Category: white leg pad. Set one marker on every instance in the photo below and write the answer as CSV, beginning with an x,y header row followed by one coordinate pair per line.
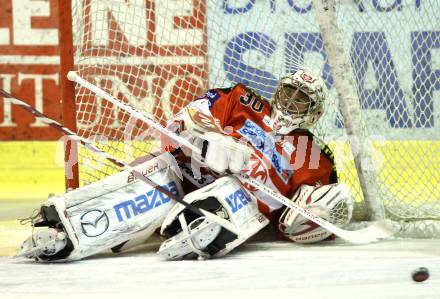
x,y
115,210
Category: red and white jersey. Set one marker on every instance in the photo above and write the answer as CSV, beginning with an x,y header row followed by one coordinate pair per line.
x,y
284,162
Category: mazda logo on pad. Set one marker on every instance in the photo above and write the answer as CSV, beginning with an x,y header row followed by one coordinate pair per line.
x,y
94,223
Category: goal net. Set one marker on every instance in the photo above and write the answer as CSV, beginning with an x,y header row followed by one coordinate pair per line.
x,y
158,55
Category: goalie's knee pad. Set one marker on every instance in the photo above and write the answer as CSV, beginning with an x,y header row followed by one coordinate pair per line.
x,y
192,235
332,202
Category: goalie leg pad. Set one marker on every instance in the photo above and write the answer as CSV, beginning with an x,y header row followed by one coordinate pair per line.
x,y
332,202
195,238
109,213
237,219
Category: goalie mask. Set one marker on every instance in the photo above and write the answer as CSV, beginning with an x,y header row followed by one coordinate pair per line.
x,y
298,102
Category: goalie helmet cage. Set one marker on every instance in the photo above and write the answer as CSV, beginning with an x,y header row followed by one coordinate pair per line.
x,y
378,59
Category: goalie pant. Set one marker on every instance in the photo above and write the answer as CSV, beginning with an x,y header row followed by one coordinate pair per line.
x,y
285,162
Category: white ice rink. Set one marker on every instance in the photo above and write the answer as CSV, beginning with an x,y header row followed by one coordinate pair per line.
x,y
260,270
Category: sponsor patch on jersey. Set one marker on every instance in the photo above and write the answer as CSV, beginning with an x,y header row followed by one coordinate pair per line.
x,y
288,147
268,121
212,95
265,144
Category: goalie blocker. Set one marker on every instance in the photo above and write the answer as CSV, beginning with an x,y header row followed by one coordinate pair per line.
x,y
115,213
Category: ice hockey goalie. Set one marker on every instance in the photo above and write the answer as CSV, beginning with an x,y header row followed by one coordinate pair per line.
x,y
240,131
236,130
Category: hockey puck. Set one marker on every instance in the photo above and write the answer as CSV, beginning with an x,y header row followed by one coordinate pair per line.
x,y
420,274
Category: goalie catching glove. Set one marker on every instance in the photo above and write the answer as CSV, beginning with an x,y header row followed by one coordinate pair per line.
x,y
332,202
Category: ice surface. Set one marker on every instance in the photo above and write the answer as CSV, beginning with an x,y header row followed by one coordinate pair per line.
x,y
259,270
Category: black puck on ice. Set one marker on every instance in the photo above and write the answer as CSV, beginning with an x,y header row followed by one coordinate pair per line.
x,y
420,274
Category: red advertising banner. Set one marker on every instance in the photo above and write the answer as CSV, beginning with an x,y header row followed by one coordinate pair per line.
x,y
163,73
29,67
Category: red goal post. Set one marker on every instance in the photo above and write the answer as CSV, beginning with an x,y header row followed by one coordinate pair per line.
x,y
67,90
159,55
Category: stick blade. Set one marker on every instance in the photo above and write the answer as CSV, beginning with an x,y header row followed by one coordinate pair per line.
x,y
374,232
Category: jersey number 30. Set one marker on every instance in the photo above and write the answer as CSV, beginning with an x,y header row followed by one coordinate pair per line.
x,y
250,100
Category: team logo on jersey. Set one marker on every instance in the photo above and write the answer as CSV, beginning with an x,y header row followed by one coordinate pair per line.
x,y
258,170
94,223
265,144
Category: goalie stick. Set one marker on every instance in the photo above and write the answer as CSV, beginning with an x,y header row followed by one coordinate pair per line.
x,y
116,161
374,232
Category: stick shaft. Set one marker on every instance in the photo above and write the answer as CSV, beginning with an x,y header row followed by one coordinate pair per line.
x,y
130,110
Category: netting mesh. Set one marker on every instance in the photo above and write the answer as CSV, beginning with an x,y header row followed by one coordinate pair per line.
x,y
160,55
